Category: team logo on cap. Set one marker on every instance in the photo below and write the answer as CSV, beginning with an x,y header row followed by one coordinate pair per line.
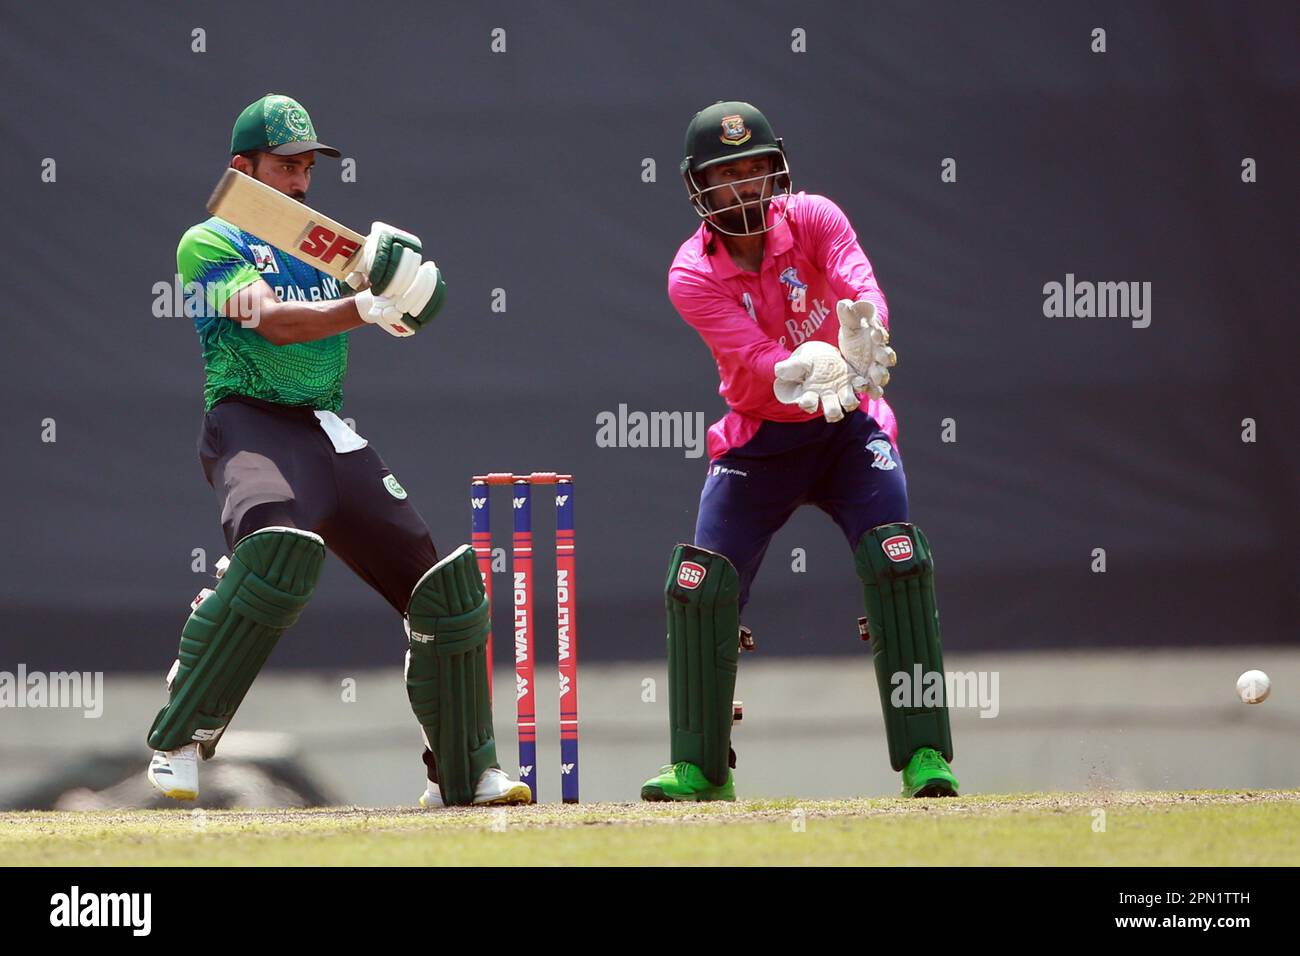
x,y
734,131
297,122
898,548
690,575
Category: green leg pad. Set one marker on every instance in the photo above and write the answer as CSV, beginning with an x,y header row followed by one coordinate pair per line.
x,y
702,597
447,672
897,572
230,635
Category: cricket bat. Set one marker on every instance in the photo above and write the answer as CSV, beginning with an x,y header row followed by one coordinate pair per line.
x,y
285,223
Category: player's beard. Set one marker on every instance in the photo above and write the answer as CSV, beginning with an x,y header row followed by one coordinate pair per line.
x,y
749,219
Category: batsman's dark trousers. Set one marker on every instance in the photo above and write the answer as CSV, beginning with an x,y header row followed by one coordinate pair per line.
x,y
849,469
273,465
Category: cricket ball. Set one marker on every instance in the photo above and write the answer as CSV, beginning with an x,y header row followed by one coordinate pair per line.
x,y
1253,687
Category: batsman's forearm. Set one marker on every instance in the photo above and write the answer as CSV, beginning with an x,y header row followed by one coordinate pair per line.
x,y
287,323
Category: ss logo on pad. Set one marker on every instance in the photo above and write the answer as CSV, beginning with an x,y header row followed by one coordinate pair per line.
x,y
898,548
690,574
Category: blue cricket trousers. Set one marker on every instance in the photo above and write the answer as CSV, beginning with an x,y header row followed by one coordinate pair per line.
x,y
849,469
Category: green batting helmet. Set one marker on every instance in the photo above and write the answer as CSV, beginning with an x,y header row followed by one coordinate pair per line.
x,y
726,131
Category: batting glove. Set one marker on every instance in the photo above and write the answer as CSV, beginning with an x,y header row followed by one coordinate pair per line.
x,y
381,311
406,314
389,260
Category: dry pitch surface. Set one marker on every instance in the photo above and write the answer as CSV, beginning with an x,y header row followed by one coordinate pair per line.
x,y
1204,828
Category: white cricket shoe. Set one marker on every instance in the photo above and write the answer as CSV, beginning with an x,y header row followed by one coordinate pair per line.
x,y
494,787
175,773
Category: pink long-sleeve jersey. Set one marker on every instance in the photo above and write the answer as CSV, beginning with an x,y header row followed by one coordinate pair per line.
x,y
751,321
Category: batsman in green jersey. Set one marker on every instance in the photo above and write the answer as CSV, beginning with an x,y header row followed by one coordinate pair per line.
x,y
292,480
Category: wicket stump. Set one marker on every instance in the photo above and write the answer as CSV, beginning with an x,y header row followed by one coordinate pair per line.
x,y
565,605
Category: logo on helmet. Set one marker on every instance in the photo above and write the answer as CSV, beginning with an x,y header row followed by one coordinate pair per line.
x,y
734,131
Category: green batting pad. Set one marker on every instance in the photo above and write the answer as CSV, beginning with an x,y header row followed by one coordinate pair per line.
x,y
230,635
447,672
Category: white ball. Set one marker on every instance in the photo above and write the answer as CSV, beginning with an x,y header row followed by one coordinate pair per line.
x,y
1253,687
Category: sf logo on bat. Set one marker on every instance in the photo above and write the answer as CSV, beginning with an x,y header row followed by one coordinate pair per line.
x,y
323,244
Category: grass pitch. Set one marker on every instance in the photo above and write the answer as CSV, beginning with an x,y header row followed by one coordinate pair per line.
x,y
1205,828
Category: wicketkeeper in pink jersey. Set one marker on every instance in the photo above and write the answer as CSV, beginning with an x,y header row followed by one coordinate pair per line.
x,y
778,287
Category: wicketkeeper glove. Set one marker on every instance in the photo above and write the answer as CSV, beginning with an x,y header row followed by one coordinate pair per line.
x,y
816,373
864,343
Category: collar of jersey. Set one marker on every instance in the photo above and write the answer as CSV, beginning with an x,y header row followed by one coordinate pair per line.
x,y
779,241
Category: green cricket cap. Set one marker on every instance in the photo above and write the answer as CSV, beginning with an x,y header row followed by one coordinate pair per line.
x,y
278,124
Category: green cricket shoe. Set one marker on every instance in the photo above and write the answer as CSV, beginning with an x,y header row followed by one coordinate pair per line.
x,y
685,781
927,774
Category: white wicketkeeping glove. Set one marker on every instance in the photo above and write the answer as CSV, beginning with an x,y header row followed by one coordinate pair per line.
x,y
864,343
816,373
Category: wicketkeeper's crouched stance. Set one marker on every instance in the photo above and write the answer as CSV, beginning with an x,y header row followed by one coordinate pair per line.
x,y
763,281
292,479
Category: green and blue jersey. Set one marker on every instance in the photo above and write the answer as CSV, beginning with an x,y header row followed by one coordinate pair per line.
x,y
237,360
